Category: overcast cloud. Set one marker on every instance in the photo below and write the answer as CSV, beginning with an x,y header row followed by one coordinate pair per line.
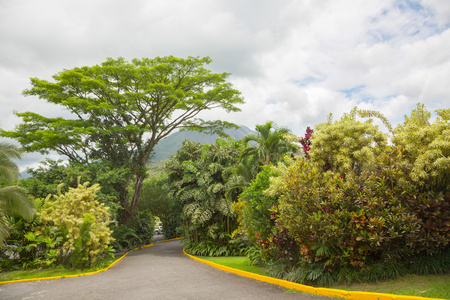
x,y
293,61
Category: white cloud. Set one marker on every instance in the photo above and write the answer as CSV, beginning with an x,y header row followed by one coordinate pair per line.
x,y
294,61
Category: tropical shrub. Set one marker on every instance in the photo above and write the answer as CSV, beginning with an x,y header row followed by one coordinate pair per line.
x,y
427,146
46,178
347,144
81,221
197,178
352,219
23,249
358,209
135,233
254,206
13,199
278,246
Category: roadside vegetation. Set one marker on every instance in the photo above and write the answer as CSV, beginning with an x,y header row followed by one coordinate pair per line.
x,y
57,271
345,203
429,286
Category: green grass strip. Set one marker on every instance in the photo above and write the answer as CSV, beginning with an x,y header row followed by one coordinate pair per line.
x,y
59,272
236,262
429,286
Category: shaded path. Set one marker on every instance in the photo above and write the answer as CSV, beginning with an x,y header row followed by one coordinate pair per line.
x,y
158,272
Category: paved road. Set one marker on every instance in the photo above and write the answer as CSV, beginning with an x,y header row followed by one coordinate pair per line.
x,y
158,272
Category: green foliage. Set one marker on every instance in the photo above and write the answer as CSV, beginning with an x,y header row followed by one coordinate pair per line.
x,y
348,220
430,264
135,233
197,177
359,210
82,222
122,110
271,143
235,247
154,196
315,274
427,146
13,201
26,247
347,144
254,207
50,174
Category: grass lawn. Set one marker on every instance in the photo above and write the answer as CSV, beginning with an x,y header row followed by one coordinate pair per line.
x,y
54,272
236,262
431,286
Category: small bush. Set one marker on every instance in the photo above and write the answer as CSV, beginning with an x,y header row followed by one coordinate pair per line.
x,y
254,207
135,233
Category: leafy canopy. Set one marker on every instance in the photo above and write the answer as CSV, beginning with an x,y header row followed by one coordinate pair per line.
x,y
122,109
118,102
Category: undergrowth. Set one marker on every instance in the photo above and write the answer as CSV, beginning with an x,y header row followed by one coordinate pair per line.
x,y
316,274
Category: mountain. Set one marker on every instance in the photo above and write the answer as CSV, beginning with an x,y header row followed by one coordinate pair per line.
x,y
25,175
170,145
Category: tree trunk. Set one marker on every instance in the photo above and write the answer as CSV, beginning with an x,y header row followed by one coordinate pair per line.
x,y
124,215
129,210
137,194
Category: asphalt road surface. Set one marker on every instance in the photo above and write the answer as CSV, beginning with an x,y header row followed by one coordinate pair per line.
x,y
158,272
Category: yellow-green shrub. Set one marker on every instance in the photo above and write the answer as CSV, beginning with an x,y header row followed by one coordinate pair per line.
x,y
82,220
427,146
348,143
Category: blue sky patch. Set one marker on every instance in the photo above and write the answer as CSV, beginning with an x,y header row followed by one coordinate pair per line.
x,y
306,81
352,92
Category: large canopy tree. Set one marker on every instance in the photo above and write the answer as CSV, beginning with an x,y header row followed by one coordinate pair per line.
x,y
122,109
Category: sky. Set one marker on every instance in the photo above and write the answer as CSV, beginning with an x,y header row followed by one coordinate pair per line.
x,y
294,61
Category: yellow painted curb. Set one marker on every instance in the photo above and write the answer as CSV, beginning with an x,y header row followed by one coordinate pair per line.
x,y
355,295
76,275
179,238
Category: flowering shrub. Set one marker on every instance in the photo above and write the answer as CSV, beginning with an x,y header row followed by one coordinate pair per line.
x,y
306,142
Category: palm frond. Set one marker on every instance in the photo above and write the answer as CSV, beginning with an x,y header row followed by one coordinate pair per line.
x,y
13,201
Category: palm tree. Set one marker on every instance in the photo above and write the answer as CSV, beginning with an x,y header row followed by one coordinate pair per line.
x,y
13,201
270,143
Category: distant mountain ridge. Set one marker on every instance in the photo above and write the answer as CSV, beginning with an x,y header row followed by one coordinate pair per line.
x,y
170,145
